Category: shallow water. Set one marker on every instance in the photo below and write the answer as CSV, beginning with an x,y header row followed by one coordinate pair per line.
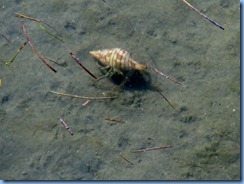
x,y
204,127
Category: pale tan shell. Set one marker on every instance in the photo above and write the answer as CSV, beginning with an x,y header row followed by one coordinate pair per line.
x,y
117,58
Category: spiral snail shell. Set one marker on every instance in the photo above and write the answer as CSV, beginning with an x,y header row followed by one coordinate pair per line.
x,y
117,58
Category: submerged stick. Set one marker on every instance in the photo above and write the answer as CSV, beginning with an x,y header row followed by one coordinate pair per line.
x,y
150,149
49,59
5,37
15,56
35,20
82,97
43,28
34,48
66,126
115,120
86,102
164,97
78,61
205,16
125,159
59,37
164,75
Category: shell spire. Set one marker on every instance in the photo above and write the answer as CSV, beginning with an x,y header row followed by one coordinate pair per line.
x,y
117,58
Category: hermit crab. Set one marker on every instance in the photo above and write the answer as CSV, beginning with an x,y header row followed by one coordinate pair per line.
x,y
118,60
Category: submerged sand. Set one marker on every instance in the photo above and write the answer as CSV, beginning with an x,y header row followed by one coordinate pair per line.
x,y
204,127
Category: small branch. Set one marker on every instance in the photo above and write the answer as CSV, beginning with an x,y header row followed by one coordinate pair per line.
x,y
164,75
77,61
58,37
205,16
35,20
5,38
66,126
86,102
164,97
125,159
82,97
34,48
150,149
15,56
115,120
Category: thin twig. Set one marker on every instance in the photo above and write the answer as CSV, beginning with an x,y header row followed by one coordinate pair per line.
x,y
57,37
164,75
35,20
49,59
34,48
150,149
115,120
78,61
164,97
5,38
125,159
18,51
66,126
83,97
205,16
86,102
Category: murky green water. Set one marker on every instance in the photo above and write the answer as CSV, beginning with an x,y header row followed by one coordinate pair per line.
x,y
204,127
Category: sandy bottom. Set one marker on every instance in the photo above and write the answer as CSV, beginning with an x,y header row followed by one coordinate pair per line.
x,y
204,127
